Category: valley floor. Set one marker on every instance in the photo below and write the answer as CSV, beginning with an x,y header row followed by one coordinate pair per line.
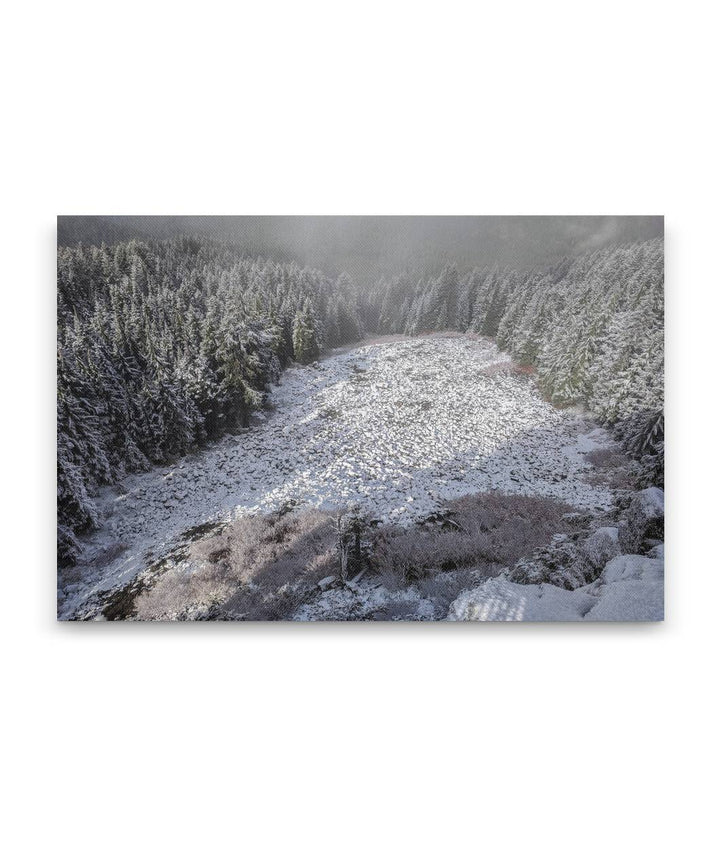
x,y
399,428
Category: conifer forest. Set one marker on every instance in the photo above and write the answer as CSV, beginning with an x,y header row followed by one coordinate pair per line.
x,y
360,418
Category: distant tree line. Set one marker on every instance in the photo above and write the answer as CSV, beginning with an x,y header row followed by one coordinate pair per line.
x,y
162,346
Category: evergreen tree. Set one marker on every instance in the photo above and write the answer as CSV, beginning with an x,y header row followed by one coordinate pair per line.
x,y
306,343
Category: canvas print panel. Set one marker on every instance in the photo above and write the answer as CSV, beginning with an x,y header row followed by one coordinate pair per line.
x,y
360,418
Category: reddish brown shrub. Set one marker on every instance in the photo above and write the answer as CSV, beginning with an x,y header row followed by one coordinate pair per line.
x,y
507,368
487,531
258,567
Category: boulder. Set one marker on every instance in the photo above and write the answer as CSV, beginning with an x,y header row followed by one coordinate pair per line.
x,y
630,588
559,563
499,599
657,552
623,568
630,600
644,519
601,546
577,519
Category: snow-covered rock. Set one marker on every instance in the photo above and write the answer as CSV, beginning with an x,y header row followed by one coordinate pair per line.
x,y
644,519
560,563
630,588
630,600
501,600
631,567
601,546
577,519
657,552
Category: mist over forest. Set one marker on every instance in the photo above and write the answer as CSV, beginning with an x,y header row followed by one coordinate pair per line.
x,y
369,247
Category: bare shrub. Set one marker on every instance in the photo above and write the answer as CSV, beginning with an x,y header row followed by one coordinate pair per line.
x,y
605,458
181,594
257,568
506,368
484,531
612,468
442,589
264,567
397,610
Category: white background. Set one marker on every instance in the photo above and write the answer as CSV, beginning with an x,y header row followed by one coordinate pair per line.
x,y
374,738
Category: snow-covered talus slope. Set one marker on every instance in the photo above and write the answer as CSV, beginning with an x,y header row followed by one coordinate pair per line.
x,y
398,427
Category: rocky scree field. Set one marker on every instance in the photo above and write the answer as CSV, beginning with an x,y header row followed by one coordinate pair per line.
x,y
400,435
